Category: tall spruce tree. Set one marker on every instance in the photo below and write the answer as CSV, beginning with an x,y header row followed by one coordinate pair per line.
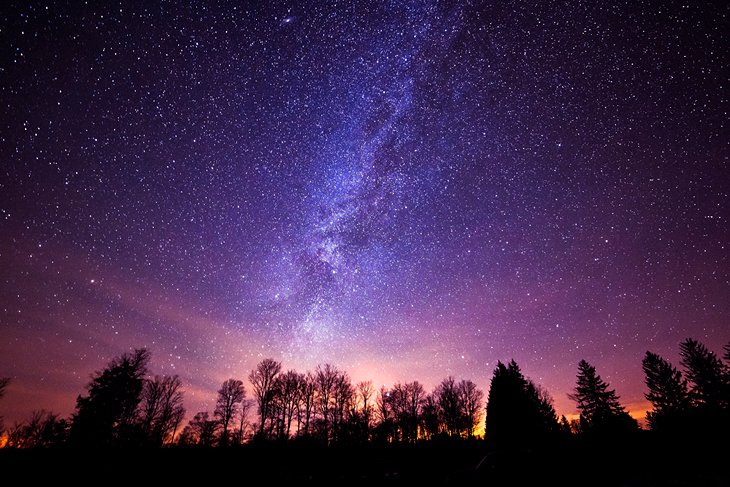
x,y
710,378
600,409
668,393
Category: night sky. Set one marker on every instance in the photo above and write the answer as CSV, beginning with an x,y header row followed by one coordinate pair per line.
x,y
407,190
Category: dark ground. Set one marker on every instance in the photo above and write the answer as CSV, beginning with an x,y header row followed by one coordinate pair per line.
x,y
582,464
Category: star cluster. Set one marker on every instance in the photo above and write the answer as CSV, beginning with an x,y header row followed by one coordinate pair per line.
x,y
409,190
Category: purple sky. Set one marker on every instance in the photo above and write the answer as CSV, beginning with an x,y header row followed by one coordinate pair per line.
x,y
405,190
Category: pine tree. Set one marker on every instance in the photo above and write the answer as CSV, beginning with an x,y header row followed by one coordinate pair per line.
x,y
667,392
601,411
709,376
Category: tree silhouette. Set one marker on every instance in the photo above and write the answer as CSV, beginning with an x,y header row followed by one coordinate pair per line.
x,y
396,400
42,430
601,412
472,400
415,398
449,405
4,381
564,425
326,378
430,417
230,396
544,416
667,392
201,431
289,389
305,412
519,413
357,422
162,408
107,415
122,408
343,399
407,403
243,422
364,394
262,380
385,428
709,376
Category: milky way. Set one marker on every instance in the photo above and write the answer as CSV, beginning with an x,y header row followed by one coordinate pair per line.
x,y
408,190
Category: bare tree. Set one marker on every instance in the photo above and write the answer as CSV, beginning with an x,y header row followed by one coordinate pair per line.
x,y
307,395
201,430
365,393
162,408
342,400
230,396
262,380
430,422
447,396
4,381
472,402
406,402
243,422
382,405
415,397
42,430
326,378
385,429
398,398
187,437
289,391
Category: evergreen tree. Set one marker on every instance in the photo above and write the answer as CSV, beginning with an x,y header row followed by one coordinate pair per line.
x,y
107,416
709,376
667,392
518,412
599,406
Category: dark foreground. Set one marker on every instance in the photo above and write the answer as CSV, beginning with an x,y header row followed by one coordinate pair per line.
x,y
638,464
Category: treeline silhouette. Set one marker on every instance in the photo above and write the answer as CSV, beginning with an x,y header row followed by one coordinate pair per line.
x,y
124,406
